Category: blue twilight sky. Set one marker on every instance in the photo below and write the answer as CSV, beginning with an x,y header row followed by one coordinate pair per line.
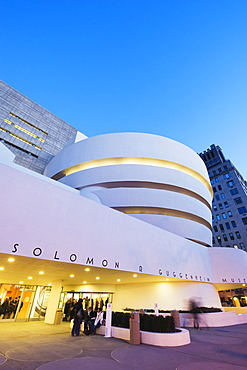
x,y
176,68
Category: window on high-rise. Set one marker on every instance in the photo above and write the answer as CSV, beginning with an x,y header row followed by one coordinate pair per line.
x,y
218,217
225,237
216,179
212,182
238,200
224,215
234,191
238,235
220,170
215,228
227,175
230,183
221,227
229,213
219,187
214,189
231,236
222,195
242,246
217,197
214,208
233,224
227,225
242,210
218,238
244,220
225,168
226,204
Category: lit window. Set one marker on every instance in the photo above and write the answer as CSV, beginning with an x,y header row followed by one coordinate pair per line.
x,y
220,206
218,217
217,197
224,215
226,204
216,179
227,175
222,195
229,213
231,236
233,224
214,208
230,183
212,182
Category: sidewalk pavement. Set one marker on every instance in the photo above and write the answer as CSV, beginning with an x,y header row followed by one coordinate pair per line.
x,y
35,345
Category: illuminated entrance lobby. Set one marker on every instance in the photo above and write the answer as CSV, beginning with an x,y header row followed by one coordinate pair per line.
x,y
133,208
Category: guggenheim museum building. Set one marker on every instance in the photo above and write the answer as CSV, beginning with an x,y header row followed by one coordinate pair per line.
x,y
122,218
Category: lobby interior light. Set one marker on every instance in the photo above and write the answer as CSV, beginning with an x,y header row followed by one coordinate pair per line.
x,y
84,282
1,268
167,279
41,272
30,277
87,269
11,259
243,284
72,275
135,275
118,280
20,282
97,278
49,284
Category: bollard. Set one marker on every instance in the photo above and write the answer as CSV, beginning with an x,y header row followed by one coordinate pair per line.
x,y
175,315
135,335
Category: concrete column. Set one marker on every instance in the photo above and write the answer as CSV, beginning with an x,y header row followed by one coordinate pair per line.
x,y
53,301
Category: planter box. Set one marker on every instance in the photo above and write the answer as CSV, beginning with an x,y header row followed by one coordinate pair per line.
x,y
155,339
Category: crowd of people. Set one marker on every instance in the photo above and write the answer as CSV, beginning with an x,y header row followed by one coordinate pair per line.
x,y
9,307
81,313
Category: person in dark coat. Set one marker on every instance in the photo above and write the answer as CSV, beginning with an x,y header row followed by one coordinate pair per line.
x,y
89,318
78,316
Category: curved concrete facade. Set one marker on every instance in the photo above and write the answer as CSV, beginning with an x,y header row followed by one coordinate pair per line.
x,y
155,179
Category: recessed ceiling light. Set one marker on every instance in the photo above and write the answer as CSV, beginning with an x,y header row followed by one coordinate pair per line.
x,y
72,275
87,269
84,282
49,284
167,279
29,277
1,268
41,272
135,275
243,284
11,259
97,278
20,282
118,279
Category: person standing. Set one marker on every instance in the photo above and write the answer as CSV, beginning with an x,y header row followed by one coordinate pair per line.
x,y
78,316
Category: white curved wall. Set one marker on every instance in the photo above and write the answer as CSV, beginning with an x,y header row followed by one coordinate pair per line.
x,y
141,175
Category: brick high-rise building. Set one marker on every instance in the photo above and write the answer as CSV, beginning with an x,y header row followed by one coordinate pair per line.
x,y
229,211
